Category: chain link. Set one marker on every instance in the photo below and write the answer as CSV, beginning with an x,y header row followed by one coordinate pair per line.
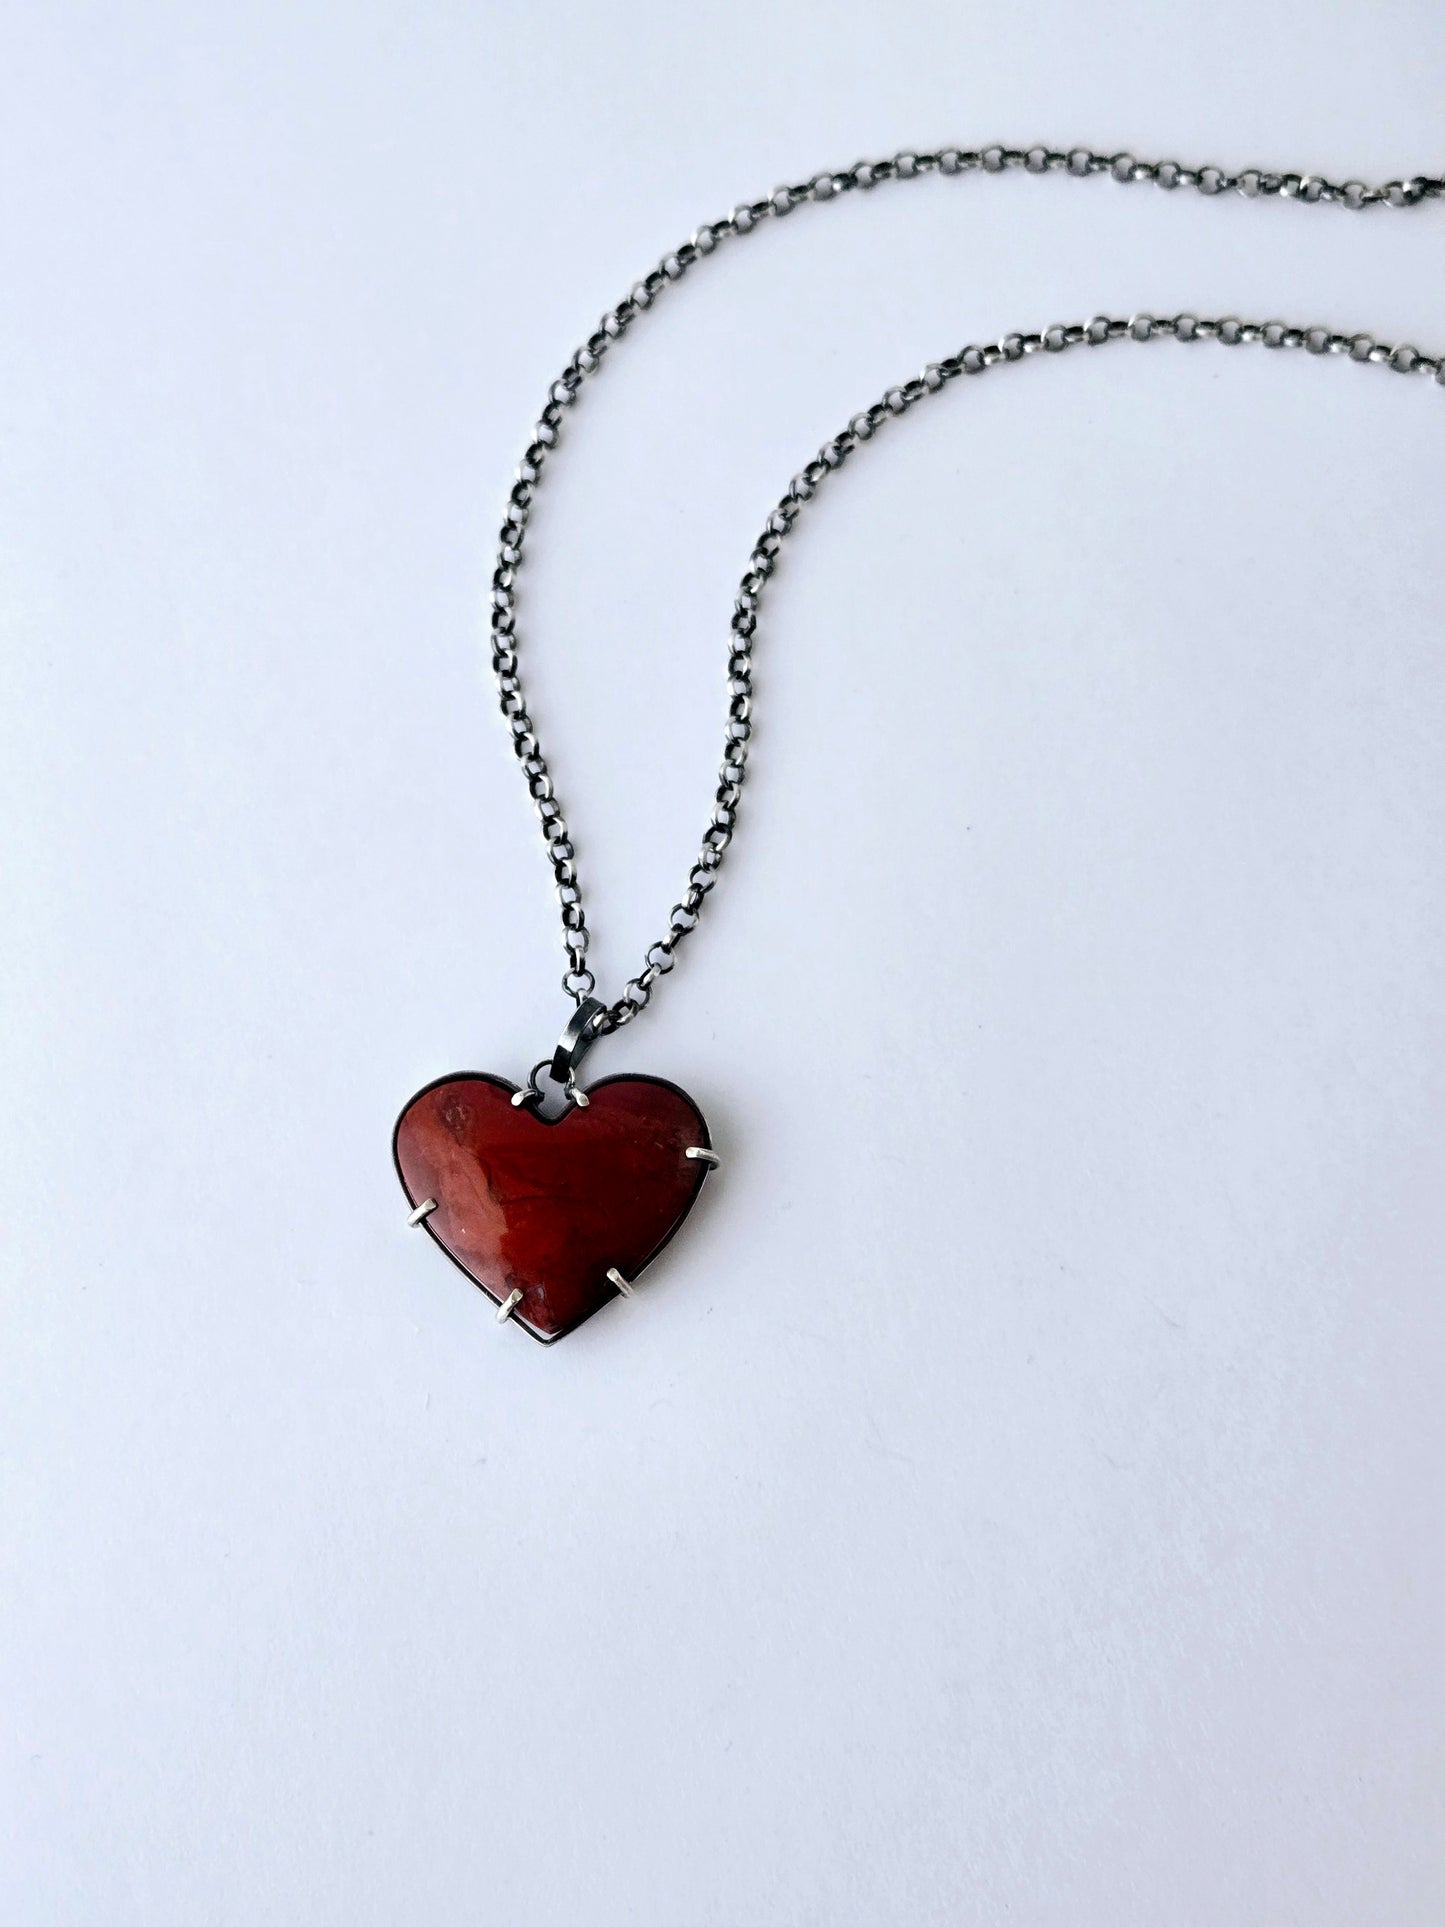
x,y
579,981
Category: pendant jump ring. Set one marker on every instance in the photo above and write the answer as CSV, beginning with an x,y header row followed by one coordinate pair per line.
x,y
584,1027
531,1091
583,1030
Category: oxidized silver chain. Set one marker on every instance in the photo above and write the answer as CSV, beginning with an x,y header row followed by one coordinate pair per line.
x,y
593,1018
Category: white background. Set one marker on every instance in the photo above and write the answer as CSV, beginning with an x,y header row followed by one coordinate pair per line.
x,y
1016,1496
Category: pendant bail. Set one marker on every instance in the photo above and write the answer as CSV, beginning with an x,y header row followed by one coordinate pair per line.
x,y
583,1030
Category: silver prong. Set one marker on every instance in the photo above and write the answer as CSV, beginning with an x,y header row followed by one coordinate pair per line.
x,y
423,1210
701,1154
519,1098
508,1305
615,1277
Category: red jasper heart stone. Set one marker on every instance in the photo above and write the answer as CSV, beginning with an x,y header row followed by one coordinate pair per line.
x,y
549,1207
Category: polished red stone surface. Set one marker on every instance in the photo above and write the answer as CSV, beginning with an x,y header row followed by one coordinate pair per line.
x,y
549,1208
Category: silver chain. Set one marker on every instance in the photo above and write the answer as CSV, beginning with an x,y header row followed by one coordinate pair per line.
x,y
579,981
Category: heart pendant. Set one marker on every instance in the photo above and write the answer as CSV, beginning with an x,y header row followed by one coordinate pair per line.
x,y
551,1217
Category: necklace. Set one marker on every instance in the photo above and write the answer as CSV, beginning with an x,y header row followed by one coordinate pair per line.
x,y
554,1197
